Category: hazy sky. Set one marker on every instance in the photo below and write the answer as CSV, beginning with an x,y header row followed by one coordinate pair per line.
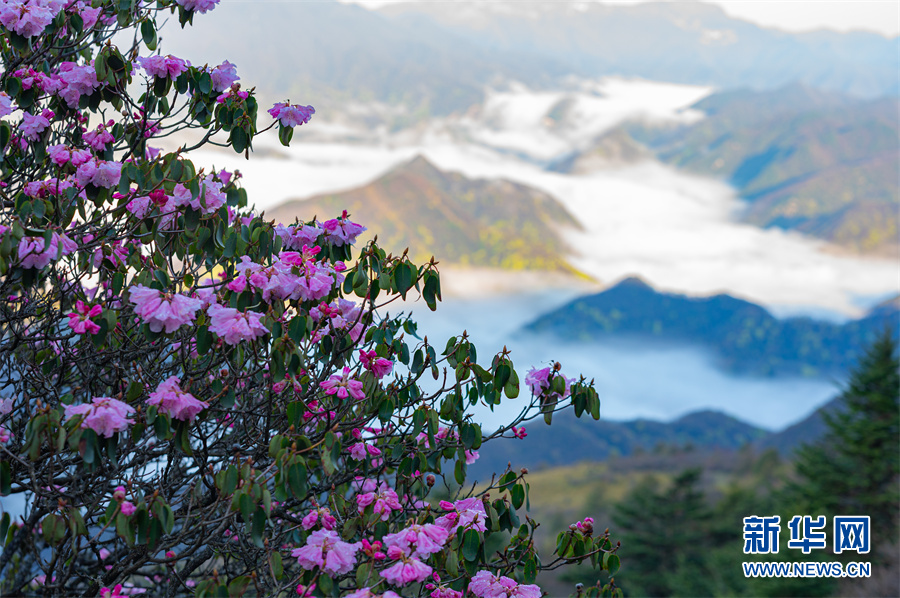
x,y
882,16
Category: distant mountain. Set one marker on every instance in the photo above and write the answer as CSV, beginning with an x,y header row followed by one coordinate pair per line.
x,y
806,431
823,164
571,440
430,58
681,42
743,336
330,53
613,149
471,222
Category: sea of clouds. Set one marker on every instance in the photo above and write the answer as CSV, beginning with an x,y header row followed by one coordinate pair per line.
x,y
679,232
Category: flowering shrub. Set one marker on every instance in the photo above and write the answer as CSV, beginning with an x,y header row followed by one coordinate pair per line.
x,y
197,401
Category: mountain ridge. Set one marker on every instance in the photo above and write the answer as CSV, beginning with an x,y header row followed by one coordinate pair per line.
x,y
472,222
570,440
744,337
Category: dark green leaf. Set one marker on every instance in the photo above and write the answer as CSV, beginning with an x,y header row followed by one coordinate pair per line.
x,y
470,544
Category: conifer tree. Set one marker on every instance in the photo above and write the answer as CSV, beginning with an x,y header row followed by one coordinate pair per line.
x,y
855,468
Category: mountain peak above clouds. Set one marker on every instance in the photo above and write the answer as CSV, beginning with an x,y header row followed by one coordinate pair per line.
x,y
483,223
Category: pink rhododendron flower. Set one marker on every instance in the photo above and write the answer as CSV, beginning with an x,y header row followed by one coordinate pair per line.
x,y
163,311
368,593
325,549
384,500
360,450
103,415
407,570
418,540
209,200
47,187
163,66
340,231
297,236
234,326
6,105
444,592
373,549
100,173
5,435
62,155
343,386
305,591
30,18
127,508
340,315
76,81
468,513
99,138
291,115
223,77
471,456
89,15
585,527
485,584
115,253
379,366
201,6
32,253
141,206
174,402
115,592
33,125
80,319
322,516
6,406
539,381
519,432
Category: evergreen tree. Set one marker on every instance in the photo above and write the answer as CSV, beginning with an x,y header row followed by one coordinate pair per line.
x,y
662,531
855,468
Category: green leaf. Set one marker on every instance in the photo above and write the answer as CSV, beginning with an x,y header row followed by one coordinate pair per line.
x,y
275,565
470,545
231,481
204,84
124,529
502,375
5,480
204,340
297,480
4,526
246,506
238,139
259,526
611,563
285,134
517,496
460,472
53,528
148,32
238,585
403,277
362,574
530,573
511,388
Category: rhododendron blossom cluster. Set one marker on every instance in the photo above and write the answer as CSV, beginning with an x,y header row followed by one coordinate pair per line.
x,y
196,400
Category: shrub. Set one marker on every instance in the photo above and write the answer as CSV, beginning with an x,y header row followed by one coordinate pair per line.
x,y
199,401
